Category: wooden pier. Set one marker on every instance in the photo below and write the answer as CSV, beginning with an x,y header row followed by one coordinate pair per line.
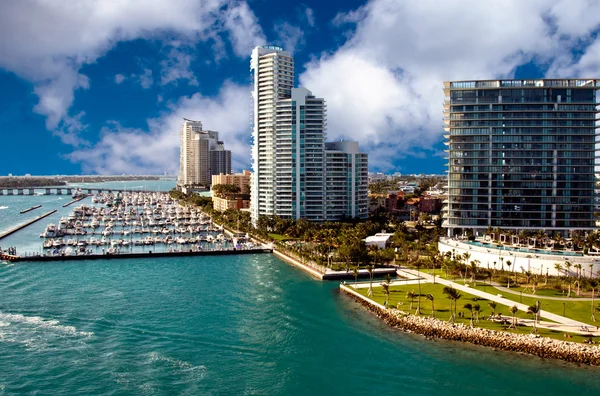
x,y
30,209
21,226
150,254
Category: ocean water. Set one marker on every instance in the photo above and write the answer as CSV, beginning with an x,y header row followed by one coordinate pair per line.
x,y
239,325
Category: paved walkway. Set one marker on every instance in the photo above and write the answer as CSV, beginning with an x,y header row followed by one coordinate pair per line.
x,y
565,299
563,323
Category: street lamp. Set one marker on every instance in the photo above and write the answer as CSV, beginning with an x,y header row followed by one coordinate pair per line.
x,y
564,308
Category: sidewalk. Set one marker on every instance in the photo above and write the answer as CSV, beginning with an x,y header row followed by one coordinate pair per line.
x,y
564,324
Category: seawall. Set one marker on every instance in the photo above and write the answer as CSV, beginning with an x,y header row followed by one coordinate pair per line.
x,y
433,328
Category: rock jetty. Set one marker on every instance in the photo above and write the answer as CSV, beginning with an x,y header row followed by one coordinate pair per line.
x,y
525,343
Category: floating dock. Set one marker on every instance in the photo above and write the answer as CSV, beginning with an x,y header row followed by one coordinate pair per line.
x,y
75,200
30,209
21,226
83,257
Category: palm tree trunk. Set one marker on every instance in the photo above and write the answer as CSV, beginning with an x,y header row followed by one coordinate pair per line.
x,y
593,314
418,312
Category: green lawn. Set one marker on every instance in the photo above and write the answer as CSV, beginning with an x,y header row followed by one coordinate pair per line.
x,y
576,310
442,307
279,237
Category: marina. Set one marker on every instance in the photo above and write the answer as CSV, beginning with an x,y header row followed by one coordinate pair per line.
x,y
132,224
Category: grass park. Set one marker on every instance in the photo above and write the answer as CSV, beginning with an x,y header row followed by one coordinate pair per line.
x,y
400,298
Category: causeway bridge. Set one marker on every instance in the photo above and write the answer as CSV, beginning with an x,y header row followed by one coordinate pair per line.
x,y
62,190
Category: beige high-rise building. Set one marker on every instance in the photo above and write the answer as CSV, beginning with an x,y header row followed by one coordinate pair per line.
x,y
273,79
201,151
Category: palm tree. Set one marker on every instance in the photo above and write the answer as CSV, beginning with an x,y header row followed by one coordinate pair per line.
x,y
465,257
355,273
386,291
430,298
568,272
594,285
535,310
454,296
474,267
418,266
509,263
476,311
493,305
469,308
513,310
370,268
412,296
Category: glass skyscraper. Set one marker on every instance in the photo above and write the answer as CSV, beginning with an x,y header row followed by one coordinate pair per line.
x,y
521,154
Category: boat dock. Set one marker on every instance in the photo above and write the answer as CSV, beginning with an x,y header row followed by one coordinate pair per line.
x,y
83,257
21,226
75,200
30,209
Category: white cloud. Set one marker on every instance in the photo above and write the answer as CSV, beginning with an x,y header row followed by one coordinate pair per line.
x,y
177,65
384,85
156,149
47,42
145,78
119,78
244,31
289,36
310,16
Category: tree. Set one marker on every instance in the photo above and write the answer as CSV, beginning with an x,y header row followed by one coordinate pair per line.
x,y
493,305
474,268
386,291
411,295
594,285
509,263
513,311
476,311
370,269
535,311
568,272
469,308
454,295
431,298
418,266
355,273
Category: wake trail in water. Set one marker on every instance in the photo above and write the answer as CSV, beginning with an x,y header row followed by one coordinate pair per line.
x,y
3,207
37,333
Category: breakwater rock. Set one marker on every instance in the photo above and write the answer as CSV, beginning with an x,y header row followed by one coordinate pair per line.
x,y
525,343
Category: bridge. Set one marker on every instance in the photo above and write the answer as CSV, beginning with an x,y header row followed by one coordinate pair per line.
x,y
62,190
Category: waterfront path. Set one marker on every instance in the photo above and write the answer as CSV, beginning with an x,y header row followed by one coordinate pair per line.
x,y
564,323
565,299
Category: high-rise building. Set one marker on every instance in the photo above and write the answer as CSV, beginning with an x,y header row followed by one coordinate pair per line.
x,y
289,155
346,181
521,154
201,155
273,79
299,142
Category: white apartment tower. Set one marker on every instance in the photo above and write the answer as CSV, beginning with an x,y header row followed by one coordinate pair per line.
x,y
273,78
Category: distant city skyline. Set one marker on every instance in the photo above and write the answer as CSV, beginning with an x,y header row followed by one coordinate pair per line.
x,y
103,90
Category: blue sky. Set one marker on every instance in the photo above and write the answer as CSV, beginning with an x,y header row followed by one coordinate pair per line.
x,y
102,87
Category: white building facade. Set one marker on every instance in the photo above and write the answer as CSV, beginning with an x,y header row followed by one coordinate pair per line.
x,y
273,78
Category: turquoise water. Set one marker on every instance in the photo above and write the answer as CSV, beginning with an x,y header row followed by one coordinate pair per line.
x,y
225,325
230,325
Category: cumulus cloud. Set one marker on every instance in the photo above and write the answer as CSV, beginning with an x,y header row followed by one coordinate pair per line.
x,y
177,65
384,85
47,42
155,149
119,78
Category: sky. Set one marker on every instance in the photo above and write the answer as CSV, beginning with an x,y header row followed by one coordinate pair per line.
x,y
102,87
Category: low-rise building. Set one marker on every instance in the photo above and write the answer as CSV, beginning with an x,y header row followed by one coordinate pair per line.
x,y
381,240
222,204
241,180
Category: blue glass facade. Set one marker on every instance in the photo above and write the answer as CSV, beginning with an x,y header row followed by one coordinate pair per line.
x,y
521,154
